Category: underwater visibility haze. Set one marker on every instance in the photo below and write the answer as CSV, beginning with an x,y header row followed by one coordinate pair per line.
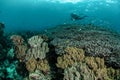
x,y
59,40
40,14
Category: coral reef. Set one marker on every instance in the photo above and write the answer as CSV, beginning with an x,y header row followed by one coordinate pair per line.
x,y
75,52
95,40
32,53
77,67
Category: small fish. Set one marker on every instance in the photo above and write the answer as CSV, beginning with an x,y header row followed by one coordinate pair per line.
x,y
75,17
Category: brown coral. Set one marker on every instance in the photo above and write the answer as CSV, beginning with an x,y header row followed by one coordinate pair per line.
x,y
17,40
85,68
19,46
31,65
72,55
34,55
76,53
95,62
114,74
20,52
43,66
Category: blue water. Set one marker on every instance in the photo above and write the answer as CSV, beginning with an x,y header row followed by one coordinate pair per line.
x,y
41,14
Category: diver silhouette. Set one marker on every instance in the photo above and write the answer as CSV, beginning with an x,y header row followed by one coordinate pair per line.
x,y
75,17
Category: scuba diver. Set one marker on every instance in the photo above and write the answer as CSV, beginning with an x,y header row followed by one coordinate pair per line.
x,y
75,17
